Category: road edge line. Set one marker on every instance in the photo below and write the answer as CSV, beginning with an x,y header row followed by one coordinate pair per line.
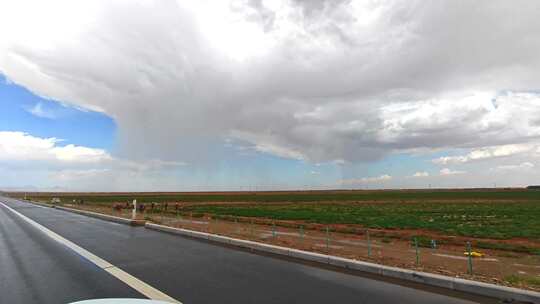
x,y
133,282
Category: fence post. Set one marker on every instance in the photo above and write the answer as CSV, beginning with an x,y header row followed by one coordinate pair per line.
x,y
368,243
273,230
327,239
416,249
134,211
469,260
301,234
251,228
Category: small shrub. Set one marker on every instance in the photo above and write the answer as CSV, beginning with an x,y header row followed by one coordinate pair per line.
x,y
423,241
523,280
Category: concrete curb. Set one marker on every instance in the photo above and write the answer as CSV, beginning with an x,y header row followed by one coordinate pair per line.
x,y
106,217
40,204
456,284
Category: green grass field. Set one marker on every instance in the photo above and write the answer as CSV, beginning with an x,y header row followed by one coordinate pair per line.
x,y
302,196
499,220
500,213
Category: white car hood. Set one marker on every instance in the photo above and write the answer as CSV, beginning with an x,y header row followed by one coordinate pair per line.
x,y
120,301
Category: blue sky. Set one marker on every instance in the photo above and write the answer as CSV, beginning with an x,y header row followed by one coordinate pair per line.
x,y
278,95
75,126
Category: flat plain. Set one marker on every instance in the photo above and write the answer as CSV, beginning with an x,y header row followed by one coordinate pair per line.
x,y
483,213
503,224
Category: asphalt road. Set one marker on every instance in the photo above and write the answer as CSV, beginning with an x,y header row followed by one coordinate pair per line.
x,y
36,269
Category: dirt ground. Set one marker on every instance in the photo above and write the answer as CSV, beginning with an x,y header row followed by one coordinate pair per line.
x,y
388,247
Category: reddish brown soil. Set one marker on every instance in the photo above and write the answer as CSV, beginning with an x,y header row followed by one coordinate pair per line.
x,y
388,246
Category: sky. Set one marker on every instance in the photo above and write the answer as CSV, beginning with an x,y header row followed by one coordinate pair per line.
x,y
268,95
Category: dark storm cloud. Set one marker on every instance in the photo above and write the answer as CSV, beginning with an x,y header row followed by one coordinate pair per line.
x,y
337,80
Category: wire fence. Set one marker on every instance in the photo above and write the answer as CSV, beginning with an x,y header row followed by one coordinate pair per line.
x,y
501,267
417,252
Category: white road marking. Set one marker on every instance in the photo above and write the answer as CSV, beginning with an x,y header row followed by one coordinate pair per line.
x,y
450,256
330,246
36,205
133,282
359,243
523,265
463,258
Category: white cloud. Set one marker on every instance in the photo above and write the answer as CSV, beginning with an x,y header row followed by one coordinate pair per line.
x,y
420,174
25,147
522,166
76,175
485,153
80,154
443,160
315,81
279,151
39,111
447,171
364,180
77,167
